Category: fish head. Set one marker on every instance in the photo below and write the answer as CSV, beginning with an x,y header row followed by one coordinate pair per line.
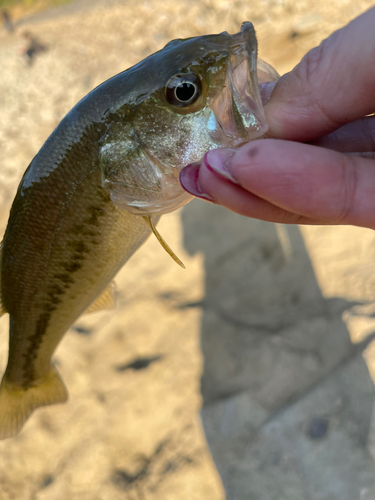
x,y
192,96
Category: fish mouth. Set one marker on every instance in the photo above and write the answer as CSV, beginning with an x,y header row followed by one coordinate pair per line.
x,y
238,108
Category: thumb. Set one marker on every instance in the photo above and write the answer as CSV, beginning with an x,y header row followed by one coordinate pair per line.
x,y
331,86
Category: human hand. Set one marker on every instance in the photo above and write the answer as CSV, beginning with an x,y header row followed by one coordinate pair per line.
x,y
323,101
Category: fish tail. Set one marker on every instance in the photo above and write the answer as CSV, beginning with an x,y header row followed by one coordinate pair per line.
x,y
18,403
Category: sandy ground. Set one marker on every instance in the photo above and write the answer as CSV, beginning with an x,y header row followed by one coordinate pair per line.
x,y
270,328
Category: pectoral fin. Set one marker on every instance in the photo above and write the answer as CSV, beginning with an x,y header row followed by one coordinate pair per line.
x,y
162,242
107,300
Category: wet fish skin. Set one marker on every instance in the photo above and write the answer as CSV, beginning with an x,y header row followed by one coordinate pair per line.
x,y
74,222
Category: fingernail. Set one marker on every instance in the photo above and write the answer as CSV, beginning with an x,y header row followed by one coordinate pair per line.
x,y
220,162
189,179
266,90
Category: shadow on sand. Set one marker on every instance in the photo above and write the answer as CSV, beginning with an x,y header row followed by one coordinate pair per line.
x,y
287,398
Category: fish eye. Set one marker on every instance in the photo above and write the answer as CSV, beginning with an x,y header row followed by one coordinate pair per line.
x,y
183,90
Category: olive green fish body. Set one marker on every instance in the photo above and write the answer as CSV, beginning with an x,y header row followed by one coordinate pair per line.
x,y
113,161
64,242
81,240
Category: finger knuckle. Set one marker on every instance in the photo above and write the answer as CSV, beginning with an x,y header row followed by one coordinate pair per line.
x,y
312,61
313,74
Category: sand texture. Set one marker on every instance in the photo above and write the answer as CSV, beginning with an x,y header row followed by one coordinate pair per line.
x,y
248,376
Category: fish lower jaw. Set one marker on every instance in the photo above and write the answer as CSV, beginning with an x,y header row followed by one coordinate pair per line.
x,y
150,207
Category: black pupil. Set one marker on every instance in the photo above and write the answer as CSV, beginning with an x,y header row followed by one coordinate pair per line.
x,y
185,91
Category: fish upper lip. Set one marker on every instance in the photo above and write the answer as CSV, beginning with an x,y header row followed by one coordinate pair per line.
x,y
238,107
246,36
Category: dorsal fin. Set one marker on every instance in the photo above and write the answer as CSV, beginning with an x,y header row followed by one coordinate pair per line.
x,y
162,242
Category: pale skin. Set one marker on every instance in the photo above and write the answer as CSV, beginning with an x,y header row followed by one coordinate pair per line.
x,y
317,164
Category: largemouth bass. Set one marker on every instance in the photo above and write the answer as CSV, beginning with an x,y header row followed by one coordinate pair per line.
x,y
96,189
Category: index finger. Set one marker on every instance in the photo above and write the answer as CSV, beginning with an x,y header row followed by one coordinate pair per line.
x,y
331,86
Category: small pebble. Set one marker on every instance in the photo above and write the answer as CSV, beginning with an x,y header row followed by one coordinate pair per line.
x,y
47,480
82,330
318,428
